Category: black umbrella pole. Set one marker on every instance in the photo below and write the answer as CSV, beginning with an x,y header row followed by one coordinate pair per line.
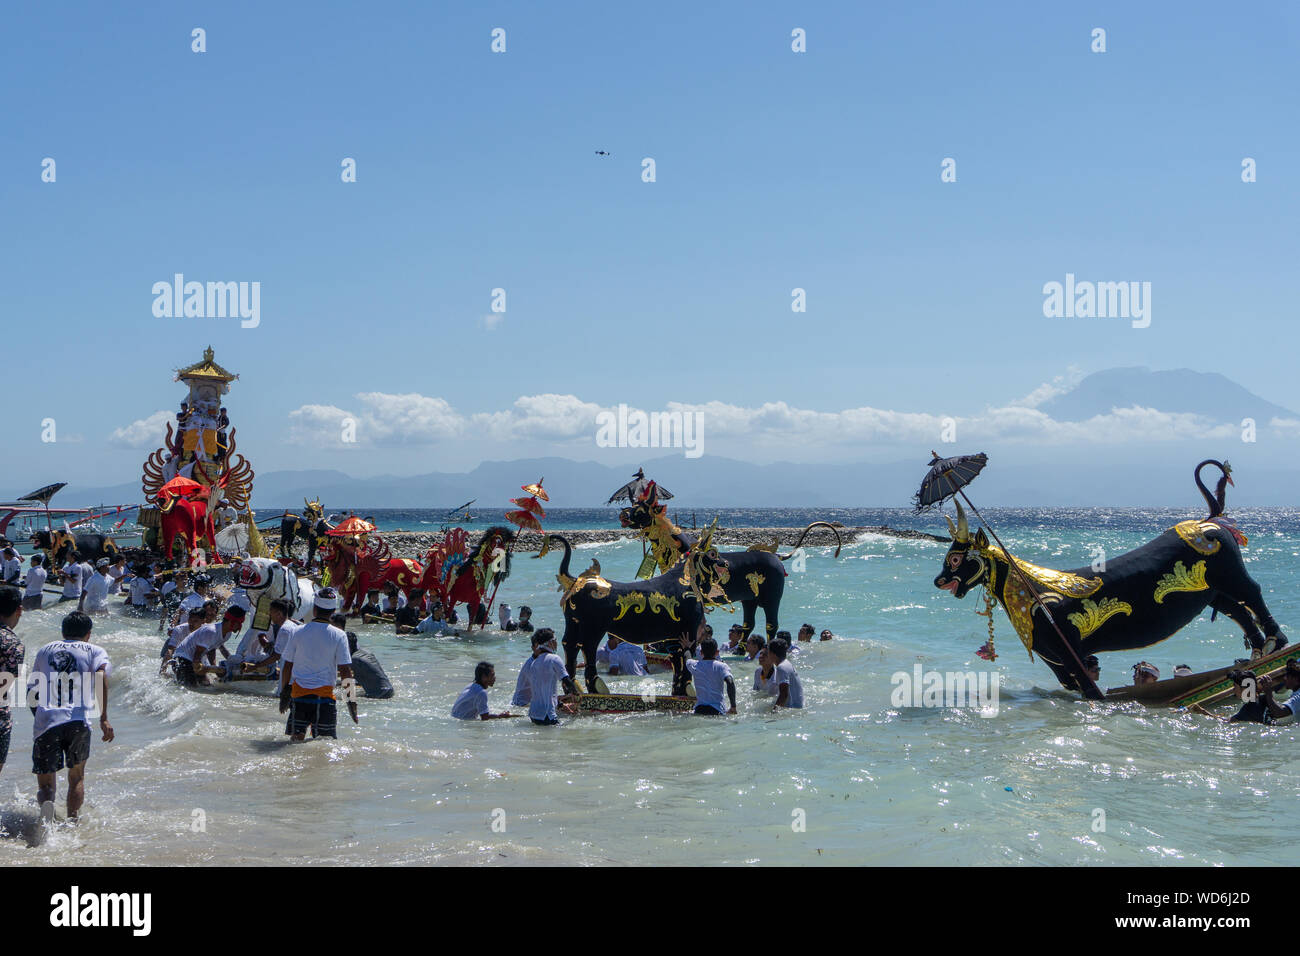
x,y
1090,690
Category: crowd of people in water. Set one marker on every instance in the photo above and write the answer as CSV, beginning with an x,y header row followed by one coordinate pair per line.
x,y
541,674
309,659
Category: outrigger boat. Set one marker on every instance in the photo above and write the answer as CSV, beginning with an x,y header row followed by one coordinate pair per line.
x,y
1206,688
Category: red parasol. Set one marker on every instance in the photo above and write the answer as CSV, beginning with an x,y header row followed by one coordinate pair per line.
x,y
524,519
350,526
537,490
180,487
530,505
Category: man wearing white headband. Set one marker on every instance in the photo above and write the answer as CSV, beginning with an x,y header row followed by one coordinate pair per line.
x,y
314,657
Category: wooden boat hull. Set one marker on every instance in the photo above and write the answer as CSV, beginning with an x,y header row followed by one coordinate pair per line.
x,y
1205,688
633,704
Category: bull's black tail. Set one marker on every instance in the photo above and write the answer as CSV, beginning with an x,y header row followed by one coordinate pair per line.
x,y
839,542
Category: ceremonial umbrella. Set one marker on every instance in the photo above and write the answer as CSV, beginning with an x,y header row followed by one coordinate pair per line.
x,y
537,490
531,505
948,477
351,526
233,538
530,510
43,496
635,488
524,518
179,487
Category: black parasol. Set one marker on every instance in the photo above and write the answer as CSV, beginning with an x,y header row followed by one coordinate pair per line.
x,y
948,477
632,491
43,495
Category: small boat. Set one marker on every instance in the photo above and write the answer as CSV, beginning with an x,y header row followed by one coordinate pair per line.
x,y
1205,688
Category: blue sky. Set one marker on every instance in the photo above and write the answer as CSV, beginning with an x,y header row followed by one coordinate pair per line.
x,y
775,170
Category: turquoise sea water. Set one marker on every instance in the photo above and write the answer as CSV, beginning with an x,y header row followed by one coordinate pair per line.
x,y
850,779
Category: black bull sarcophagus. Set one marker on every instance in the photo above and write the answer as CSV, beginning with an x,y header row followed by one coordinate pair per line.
x,y
1139,599
671,606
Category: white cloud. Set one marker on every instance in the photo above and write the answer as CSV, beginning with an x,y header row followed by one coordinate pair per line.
x,y
384,419
1049,390
142,433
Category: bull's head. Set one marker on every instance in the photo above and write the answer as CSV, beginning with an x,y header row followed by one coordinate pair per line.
x,y
964,567
642,512
312,511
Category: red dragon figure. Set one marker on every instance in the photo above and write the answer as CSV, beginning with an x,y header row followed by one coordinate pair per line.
x,y
457,575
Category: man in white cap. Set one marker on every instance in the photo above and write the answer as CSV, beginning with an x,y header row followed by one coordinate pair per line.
x,y
314,657
94,596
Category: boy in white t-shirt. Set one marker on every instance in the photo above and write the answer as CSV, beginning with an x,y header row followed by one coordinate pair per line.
x,y
472,704
710,677
789,687
69,685
34,590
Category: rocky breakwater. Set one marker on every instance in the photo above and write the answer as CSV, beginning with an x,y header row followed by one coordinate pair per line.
x,y
415,544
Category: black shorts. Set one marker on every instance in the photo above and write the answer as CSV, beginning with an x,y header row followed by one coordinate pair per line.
x,y
707,710
185,675
6,732
320,714
544,723
66,745
32,602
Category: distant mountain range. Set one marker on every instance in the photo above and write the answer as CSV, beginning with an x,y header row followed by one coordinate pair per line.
x,y
1094,475
1179,390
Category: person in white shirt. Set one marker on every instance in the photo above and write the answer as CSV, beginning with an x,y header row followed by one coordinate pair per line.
x,y
71,578
69,685
313,658
436,623
503,615
116,574
177,585
789,688
523,690
35,588
735,640
392,600
547,670
87,572
94,596
472,704
188,656
192,623
1291,681
710,677
764,675
11,568
626,658
263,650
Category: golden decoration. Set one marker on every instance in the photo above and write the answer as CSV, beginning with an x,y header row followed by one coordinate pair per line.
x,y
1196,534
1052,587
1180,579
754,579
661,602
1094,614
629,602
